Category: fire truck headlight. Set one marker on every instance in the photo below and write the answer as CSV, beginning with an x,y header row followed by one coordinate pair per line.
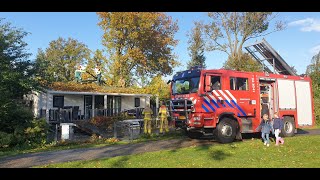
x,y
193,109
196,118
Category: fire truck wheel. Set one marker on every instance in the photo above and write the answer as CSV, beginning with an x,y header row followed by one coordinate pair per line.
x,y
288,126
194,135
226,130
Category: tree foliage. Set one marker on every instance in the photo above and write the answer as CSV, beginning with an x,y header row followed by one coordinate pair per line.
x,y
158,86
97,61
196,47
16,79
313,70
59,61
228,31
139,44
245,63
43,74
16,71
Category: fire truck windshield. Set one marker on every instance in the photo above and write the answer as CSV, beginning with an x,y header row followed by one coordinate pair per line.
x,y
185,86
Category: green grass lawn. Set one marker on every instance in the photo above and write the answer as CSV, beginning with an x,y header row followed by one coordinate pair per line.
x,y
298,151
76,145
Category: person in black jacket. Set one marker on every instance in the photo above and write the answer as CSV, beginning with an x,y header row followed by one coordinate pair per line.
x,y
277,126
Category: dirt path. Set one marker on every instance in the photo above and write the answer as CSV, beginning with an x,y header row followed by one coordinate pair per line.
x,y
41,158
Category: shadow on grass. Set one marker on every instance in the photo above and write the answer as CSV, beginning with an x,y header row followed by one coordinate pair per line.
x,y
179,144
203,148
215,154
219,155
257,135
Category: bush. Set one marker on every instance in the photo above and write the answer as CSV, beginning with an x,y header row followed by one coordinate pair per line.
x,y
101,121
5,139
107,122
15,119
316,101
98,139
111,140
36,134
33,135
94,138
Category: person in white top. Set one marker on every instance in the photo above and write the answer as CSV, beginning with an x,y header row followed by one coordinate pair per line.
x,y
98,74
77,74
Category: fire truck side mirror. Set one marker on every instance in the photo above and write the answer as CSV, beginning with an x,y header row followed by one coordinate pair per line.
x,y
208,84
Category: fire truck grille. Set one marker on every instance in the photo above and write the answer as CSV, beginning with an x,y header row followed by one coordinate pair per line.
x,y
181,105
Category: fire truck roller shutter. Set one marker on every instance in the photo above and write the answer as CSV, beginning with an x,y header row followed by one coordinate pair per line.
x,y
304,103
287,98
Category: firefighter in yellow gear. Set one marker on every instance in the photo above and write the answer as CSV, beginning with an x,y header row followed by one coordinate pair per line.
x,y
147,112
163,113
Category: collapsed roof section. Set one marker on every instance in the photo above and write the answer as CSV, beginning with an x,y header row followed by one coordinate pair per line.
x,y
267,53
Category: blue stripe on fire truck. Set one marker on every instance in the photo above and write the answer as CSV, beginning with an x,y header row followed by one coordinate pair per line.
x,y
239,107
216,104
228,103
209,105
205,108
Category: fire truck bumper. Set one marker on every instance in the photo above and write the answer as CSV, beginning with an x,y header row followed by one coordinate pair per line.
x,y
180,123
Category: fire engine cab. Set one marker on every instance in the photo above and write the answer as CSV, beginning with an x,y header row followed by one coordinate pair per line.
x,y
226,103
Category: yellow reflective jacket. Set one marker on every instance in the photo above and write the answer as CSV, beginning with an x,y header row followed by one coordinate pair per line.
x,y
147,112
163,111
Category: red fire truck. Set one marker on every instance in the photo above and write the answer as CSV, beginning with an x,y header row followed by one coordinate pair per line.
x,y
226,103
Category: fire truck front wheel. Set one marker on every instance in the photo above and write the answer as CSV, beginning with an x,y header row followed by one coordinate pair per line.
x,y
288,126
226,130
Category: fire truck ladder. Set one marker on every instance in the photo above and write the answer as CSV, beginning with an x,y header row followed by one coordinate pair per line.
x,y
271,56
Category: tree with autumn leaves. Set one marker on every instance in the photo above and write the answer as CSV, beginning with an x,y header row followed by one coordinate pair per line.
x,y
59,61
139,44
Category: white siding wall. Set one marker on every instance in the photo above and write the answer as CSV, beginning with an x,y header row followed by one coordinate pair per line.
x,y
36,104
39,102
69,100
34,97
143,102
42,101
74,100
127,102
